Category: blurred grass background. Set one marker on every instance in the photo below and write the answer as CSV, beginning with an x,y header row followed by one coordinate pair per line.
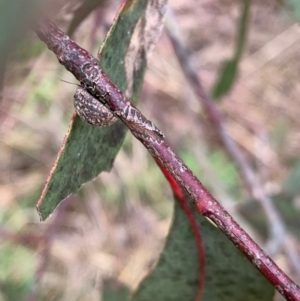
x,y
115,227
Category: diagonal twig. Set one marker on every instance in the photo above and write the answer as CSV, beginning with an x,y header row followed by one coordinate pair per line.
x,y
88,71
278,237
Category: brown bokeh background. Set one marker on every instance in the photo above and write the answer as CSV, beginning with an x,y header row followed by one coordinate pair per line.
x,y
115,227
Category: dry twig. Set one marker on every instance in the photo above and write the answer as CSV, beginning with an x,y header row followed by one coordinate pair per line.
x,y
278,237
88,71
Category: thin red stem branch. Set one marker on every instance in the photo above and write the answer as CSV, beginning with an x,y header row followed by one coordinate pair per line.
x,y
88,71
278,237
178,193
216,120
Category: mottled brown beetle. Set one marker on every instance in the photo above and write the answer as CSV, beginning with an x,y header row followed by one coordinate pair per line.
x,y
92,110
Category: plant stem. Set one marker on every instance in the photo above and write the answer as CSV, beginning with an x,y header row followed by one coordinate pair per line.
x,y
88,71
277,228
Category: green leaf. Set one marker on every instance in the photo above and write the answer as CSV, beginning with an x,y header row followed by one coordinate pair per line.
x,y
226,79
228,274
229,69
15,20
88,150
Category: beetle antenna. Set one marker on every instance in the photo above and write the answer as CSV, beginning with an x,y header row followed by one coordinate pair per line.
x,y
69,82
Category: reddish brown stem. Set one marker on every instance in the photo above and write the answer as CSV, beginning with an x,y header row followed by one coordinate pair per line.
x,y
178,193
278,236
88,71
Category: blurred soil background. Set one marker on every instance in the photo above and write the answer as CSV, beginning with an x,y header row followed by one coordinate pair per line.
x,y
116,226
